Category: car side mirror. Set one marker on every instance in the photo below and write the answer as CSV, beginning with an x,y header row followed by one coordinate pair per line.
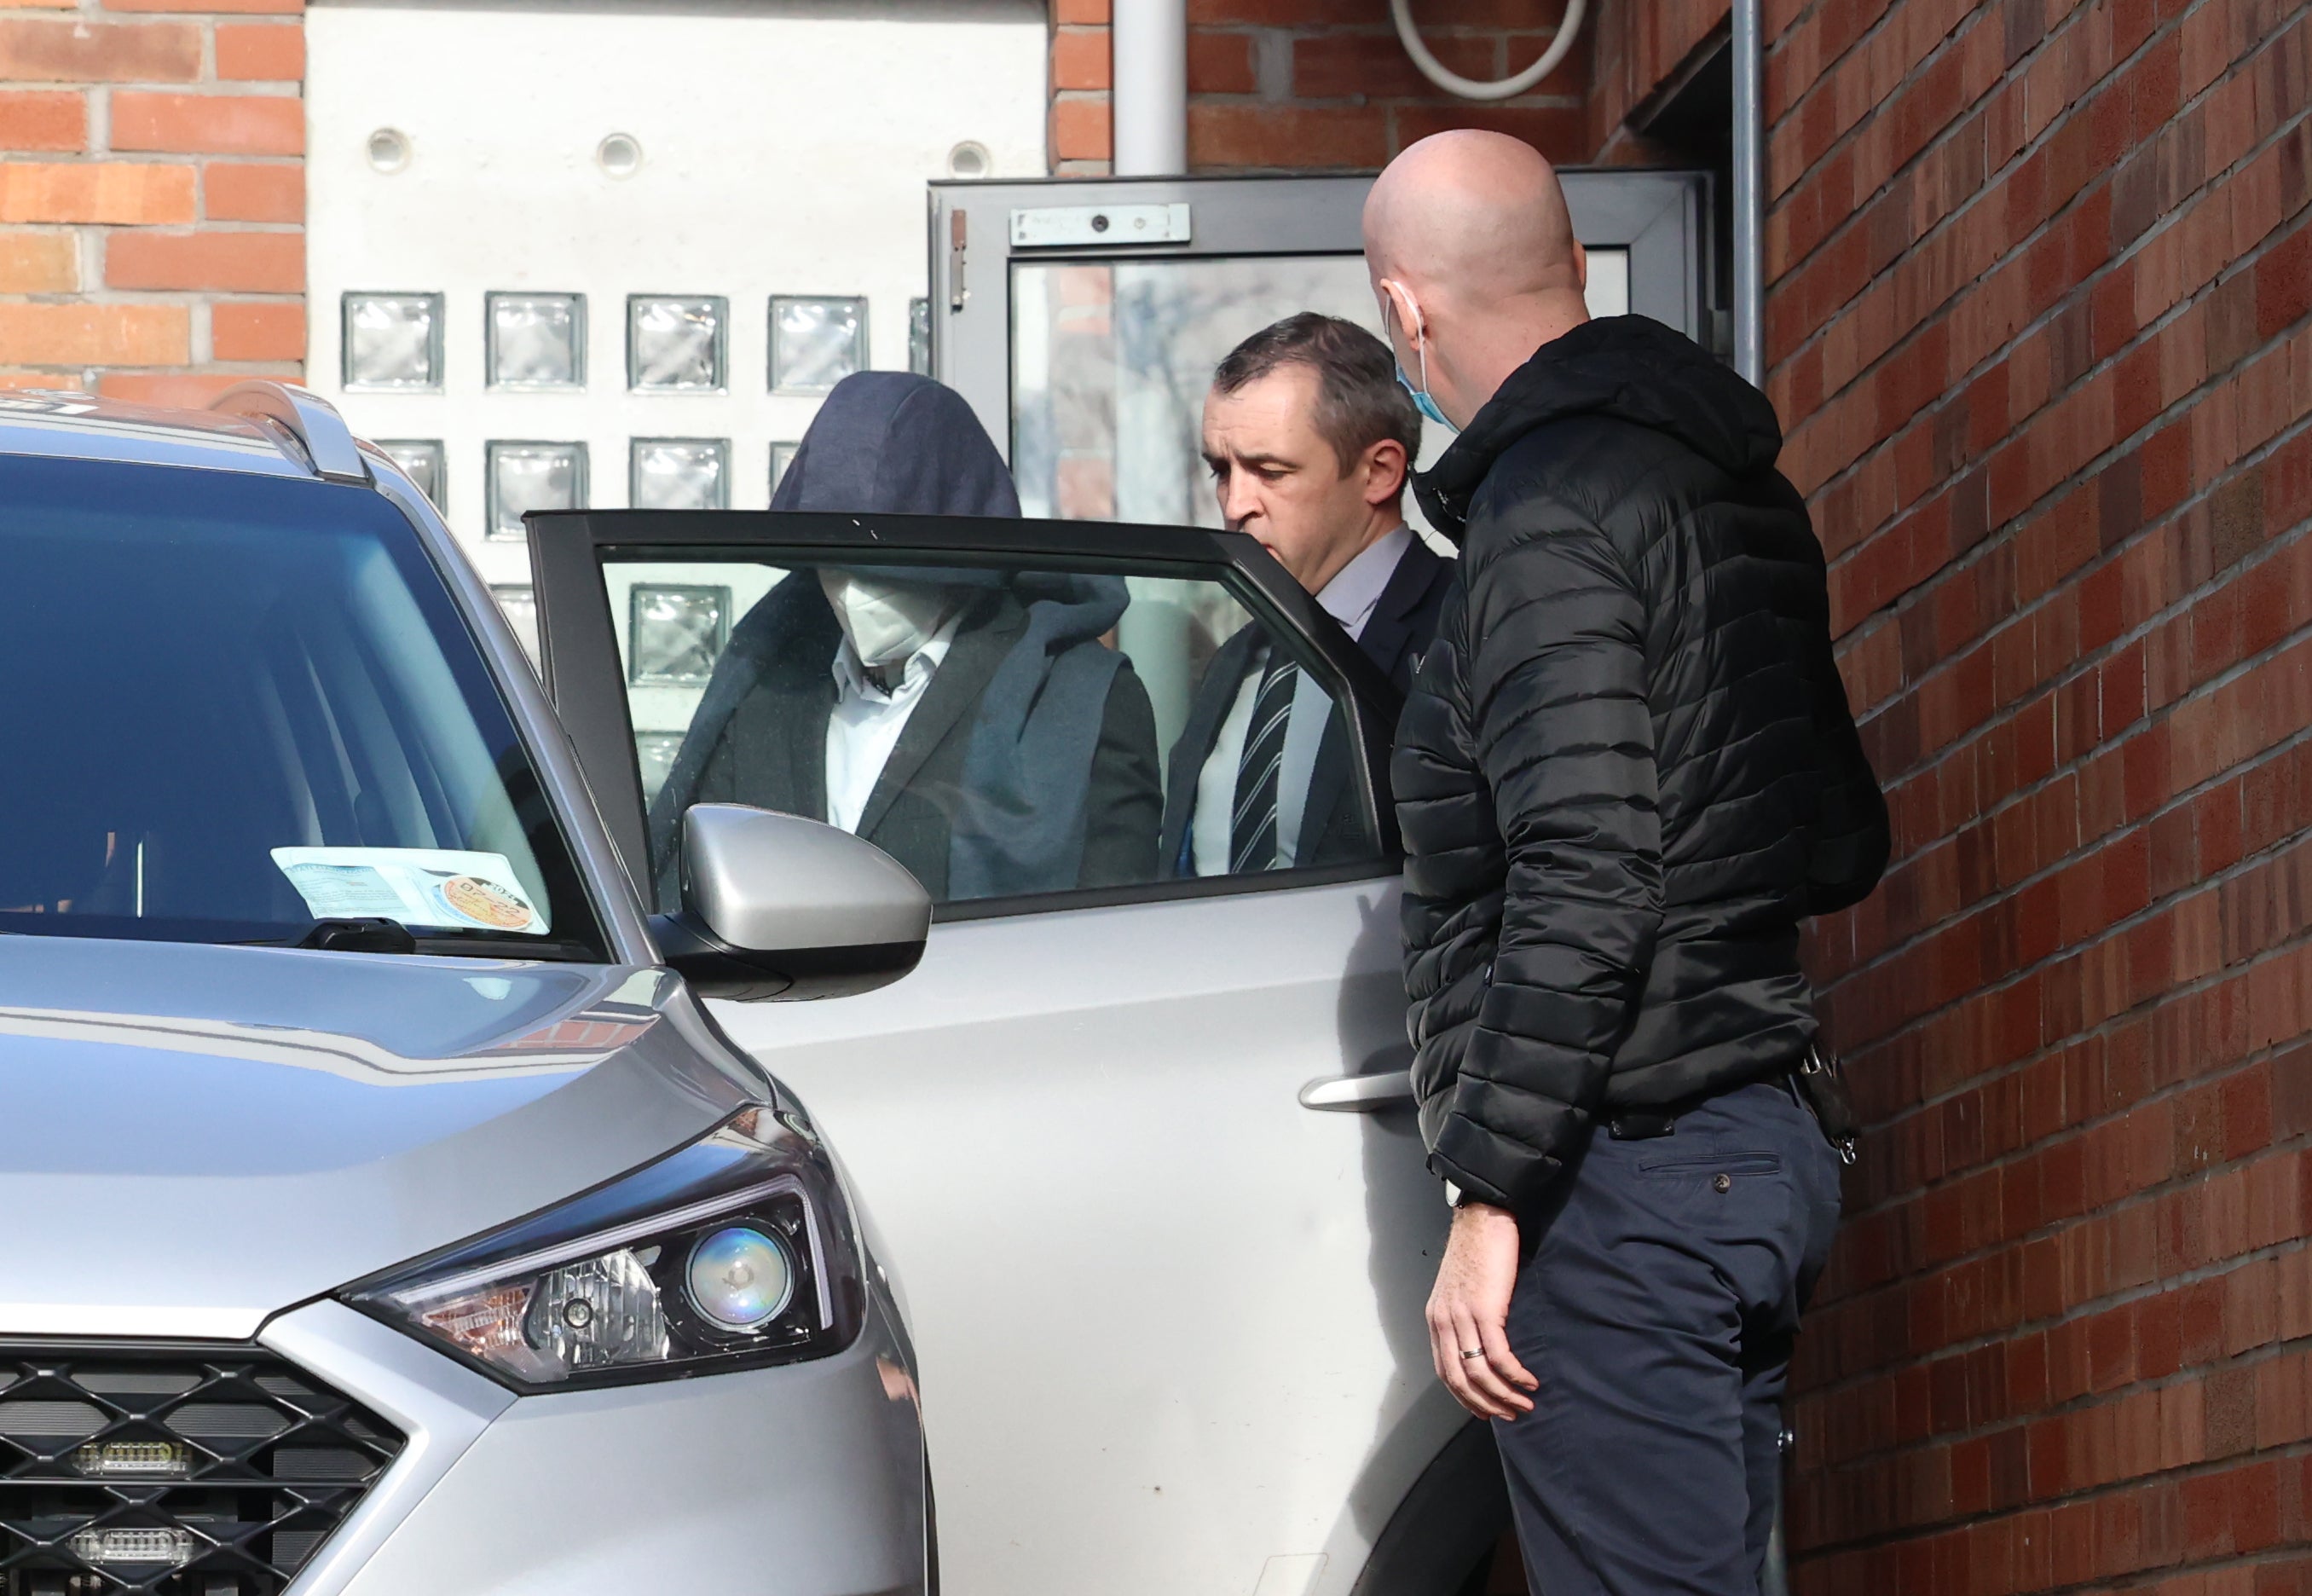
x,y
774,905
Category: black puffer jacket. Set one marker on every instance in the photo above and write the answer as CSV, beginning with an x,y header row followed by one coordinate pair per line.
x,y
1627,769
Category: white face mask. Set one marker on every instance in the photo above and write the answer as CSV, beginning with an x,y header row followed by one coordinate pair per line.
x,y
887,623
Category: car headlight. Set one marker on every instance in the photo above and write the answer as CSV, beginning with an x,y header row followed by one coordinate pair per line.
x,y
735,1251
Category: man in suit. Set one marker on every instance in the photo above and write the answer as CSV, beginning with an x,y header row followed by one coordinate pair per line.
x,y
1310,438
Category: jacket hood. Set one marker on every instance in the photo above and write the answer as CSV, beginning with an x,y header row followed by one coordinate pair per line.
x,y
1632,368
209,1134
893,444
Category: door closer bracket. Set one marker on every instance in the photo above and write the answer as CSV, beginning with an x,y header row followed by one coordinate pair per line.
x,y
1066,226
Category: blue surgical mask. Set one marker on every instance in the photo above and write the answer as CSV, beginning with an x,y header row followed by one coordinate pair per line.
x,y
1421,400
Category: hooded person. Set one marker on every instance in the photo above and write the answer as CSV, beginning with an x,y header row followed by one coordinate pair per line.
x,y
969,723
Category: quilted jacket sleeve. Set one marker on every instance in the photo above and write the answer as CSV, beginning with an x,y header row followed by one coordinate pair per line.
x,y
1847,851
1851,837
1556,695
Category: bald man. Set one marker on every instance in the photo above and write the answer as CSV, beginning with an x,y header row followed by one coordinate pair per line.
x,y
1625,772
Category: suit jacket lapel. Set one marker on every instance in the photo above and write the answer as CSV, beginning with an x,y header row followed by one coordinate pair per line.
x,y
803,756
1215,696
1329,777
1391,626
953,693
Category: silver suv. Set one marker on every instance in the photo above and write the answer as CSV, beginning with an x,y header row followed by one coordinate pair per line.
x,y
386,1212
382,1172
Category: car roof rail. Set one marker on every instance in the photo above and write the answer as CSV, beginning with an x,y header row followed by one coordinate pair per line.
x,y
304,415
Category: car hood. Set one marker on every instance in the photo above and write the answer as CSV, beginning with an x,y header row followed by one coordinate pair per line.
x,y
198,1136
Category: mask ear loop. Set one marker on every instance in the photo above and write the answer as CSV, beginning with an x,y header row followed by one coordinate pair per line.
x,y
1420,332
1394,291
1421,336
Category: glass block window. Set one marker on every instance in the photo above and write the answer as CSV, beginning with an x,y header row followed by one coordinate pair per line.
x,y
537,340
679,474
816,343
781,456
392,341
426,461
520,606
676,345
525,477
919,337
675,634
655,751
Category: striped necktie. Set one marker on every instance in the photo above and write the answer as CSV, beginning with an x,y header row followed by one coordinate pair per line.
x,y
1252,831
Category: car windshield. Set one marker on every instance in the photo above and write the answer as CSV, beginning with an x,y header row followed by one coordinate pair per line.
x,y
240,708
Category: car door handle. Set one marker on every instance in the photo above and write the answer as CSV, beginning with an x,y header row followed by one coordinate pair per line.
x,y
1359,1094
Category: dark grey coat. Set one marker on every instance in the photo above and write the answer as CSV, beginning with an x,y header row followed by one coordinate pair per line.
x,y
1029,766
773,752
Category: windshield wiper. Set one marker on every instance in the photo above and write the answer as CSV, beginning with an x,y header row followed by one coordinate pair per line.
x,y
366,935
487,945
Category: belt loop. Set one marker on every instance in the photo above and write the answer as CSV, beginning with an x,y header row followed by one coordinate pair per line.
x,y
1640,1124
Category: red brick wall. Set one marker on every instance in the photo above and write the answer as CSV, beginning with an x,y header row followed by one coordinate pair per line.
x,y
152,194
1318,84
2037,327
1634,51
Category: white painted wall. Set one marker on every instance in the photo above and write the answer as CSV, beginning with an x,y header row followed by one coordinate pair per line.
x,y
785,145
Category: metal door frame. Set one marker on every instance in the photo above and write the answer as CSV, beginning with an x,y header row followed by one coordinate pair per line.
x,y
1662,218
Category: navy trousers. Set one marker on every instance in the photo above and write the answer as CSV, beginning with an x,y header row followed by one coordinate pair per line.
x,y
1658,1306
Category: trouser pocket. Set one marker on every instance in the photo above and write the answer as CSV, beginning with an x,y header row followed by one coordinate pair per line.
x,y
1679,1166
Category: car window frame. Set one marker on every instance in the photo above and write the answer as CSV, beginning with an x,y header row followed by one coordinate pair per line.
x,y
585,678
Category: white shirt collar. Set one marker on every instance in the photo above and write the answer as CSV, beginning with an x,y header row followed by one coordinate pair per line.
x,y
865,724
851,681
1355,589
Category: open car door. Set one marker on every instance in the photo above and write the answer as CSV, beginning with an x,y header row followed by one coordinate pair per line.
x,y
1136,1134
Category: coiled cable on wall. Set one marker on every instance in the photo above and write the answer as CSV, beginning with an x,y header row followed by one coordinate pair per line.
x,y
1453,83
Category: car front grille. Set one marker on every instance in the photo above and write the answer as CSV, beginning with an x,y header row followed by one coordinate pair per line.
x,y
177,1469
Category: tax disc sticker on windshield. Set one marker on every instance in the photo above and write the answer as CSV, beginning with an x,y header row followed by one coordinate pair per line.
x,y
422,888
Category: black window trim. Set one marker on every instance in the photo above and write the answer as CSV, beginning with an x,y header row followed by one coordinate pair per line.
x,y
1183,889
584,680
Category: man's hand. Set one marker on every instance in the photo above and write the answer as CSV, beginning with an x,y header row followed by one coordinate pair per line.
x,y
1469,1310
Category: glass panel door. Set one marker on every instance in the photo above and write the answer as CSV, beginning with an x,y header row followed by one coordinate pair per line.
x,y
1109,364
1088,360
1111,361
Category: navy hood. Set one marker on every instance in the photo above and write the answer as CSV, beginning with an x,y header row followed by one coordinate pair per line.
x,y
893,444
1632,368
